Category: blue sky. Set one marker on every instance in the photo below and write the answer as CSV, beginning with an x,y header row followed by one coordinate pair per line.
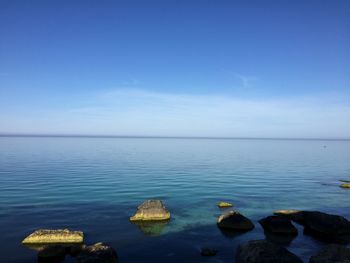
x,y
176,68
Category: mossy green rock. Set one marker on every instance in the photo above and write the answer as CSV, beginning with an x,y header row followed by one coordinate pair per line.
x,y
345,185
223,204
151,210
58,236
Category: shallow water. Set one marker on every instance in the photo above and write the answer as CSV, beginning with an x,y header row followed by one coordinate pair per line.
x,y
95,184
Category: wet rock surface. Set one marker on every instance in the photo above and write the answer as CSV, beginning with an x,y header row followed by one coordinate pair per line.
x,y
261,251
97,253
52,253
278,225
233,220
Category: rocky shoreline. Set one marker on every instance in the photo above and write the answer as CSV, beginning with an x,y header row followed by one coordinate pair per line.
x,y
54,245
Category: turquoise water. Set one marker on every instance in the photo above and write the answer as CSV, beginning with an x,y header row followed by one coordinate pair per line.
x,y
95,184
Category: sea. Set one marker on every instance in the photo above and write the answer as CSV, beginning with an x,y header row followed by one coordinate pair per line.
x,y
94,184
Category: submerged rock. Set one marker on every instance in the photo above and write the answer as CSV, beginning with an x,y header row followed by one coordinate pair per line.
x,y
261,251
151,210
52,253
208,252
97,253
345,185
46,236
332,253
151,228
278,225
234,220
223,204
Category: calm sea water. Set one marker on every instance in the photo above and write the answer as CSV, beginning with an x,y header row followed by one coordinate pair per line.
x,y
95,184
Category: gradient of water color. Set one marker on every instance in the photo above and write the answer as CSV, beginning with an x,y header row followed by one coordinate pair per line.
x,y
95,184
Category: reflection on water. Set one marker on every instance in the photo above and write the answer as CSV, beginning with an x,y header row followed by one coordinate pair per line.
x,y
151,228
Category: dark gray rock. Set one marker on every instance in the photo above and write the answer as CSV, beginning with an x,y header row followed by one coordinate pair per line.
x,y
332,254
52,254
233,220
326,226
278,225
261,251
97,253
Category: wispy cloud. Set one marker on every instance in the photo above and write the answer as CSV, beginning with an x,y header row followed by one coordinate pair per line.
x,y
143,112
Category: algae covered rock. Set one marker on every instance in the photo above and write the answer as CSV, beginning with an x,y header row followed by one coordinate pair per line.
x,y
234,220
47,236
151,210
278,225
261,251
332,253
345,185
97,253
223,204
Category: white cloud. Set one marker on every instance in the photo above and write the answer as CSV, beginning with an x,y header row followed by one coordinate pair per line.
x,y
141,112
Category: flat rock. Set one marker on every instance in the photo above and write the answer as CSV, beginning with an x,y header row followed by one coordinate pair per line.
x,y
223,204
97,253
46,236
261,251
52,253
234,220
332,253
151,210
278,225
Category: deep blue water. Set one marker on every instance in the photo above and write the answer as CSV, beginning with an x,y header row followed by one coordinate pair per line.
x,y
95,184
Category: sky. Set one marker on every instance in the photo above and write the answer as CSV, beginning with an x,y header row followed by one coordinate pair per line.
x,y
206,68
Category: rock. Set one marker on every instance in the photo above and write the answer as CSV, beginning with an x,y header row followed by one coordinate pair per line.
x,y
97,253
345,185
332,253
75,250
261,251
292,214
278,225
224,204
52,253
151,210
233,220
208,252
324,225
46,236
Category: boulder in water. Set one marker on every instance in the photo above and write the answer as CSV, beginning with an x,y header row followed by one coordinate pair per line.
x,y
261,251
278,225
97,253
51,254
233,220
345,185
151,210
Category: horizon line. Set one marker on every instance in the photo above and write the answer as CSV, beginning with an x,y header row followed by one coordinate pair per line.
x,y
38,135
